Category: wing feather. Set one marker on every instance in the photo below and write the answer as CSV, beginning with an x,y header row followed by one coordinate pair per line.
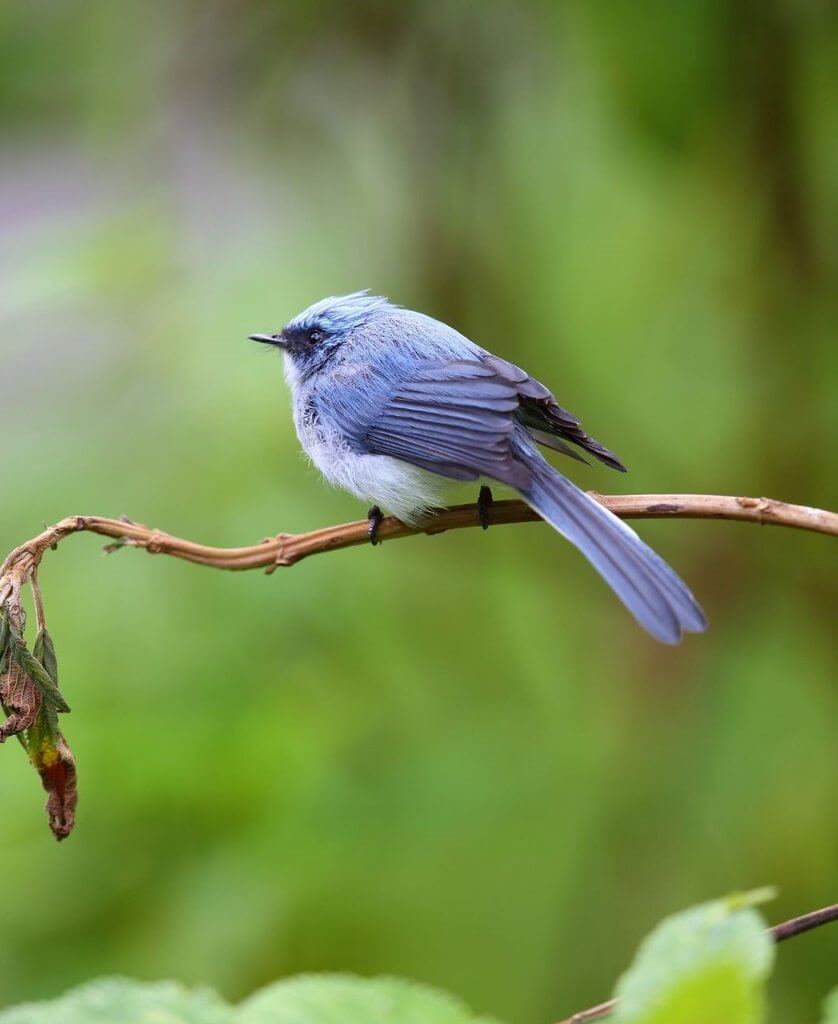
x,y
455,418
543,416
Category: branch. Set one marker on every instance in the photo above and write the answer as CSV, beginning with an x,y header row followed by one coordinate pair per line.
x,y
29,686
287,548
804,923
779,933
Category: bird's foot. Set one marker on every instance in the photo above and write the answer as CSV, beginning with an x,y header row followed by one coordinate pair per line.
x,y
484,503
374,515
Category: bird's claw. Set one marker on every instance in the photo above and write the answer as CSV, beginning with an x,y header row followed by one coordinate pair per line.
x,y
375,517
484,503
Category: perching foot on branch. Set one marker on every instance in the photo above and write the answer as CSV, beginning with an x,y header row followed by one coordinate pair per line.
x,y
485,500
374,516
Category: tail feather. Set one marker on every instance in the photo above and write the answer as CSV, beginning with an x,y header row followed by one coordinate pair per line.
x,y
647,586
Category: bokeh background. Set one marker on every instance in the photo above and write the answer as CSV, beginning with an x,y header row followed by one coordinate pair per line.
x,y
455,758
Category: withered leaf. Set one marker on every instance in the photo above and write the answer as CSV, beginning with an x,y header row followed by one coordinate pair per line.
x,y
48,750
30,697
4,637
21,700
9,687
54,762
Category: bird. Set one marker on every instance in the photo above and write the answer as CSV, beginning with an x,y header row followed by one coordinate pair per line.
x,y
392,405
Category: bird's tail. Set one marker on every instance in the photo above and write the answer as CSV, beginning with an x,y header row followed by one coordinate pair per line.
x,y
652,592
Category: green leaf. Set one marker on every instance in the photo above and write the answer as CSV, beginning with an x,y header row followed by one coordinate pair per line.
x,y
705,964
121,1001
311,999
830,1008
343,999
44,651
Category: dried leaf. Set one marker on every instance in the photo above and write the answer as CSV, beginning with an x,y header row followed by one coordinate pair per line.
x,y
21,701
32,701
16,726
115,545
54,762
4,634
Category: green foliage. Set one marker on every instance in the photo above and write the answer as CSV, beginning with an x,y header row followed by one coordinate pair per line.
x,y
122,1001
340,999
830,1008
708,963
43,654
320,999
44,650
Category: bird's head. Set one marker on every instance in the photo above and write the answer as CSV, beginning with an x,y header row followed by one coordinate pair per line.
x,y
314,335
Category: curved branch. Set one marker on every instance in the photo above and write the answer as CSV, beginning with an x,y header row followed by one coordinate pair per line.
x,y
779,933
286,548
21,568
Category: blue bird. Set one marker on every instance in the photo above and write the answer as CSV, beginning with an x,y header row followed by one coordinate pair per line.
x,y
389,404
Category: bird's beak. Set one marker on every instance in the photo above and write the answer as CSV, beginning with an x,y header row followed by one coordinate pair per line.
x,y
268,339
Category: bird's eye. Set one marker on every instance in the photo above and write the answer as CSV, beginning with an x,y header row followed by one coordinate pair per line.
x,y
315,336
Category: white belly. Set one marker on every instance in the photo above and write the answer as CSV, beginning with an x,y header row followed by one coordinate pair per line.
x,y
405,491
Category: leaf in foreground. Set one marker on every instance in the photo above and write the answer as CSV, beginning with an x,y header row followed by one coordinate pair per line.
x,y
112,1000
705,964
830,1008
311,999
343,999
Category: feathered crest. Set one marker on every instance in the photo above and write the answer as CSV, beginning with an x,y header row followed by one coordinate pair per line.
x,y
339,313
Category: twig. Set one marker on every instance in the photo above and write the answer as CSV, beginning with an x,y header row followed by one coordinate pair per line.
x,y
286,548
804,923
779,933
592,1013
37,600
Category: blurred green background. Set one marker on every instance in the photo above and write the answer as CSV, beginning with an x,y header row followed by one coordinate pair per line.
x,y
452,758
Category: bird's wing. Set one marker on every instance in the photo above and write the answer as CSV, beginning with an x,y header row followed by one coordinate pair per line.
x,y
546,420
453,417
